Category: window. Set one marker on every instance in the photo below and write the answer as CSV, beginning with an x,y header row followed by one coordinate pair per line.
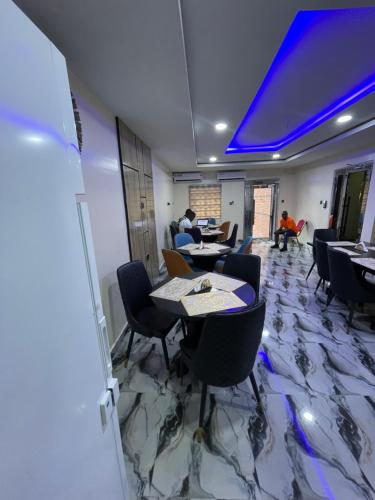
x,y
205,201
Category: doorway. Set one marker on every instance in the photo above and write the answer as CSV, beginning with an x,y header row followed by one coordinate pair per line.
x,y
349,198
260,208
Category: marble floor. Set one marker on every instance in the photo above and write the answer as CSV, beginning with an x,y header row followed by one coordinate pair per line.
x,y
316,437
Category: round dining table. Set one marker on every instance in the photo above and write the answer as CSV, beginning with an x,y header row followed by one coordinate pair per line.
x,y
210,235
208,260
245,292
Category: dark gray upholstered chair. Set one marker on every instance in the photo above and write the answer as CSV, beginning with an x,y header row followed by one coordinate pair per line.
x,y
346,283
244,267
321,258
323,235
226,352
143,317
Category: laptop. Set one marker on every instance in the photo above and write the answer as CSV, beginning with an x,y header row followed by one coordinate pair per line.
x,y
202,222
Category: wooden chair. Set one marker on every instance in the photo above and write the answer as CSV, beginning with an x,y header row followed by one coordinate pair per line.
x,y
225,228
176,264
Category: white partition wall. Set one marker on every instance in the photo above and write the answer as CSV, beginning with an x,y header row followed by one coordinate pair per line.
x,y
55,443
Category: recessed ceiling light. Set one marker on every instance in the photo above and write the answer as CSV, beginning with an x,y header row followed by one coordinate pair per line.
x,y
275,156
344,118
221,126
34,138
308,416
212,159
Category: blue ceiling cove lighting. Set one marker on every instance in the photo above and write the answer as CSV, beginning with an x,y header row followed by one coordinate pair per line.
x,y
324,65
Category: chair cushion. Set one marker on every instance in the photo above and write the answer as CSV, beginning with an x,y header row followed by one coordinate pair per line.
x,y
156,323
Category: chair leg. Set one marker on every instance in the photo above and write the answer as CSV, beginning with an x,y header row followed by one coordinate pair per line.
x,y
183,327
350,319
255,388
310,271
165,350
330,297
131,338
318,285
200,431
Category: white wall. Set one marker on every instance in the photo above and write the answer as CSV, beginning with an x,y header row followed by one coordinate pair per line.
x,y
234,191
315,183
102,178
163,196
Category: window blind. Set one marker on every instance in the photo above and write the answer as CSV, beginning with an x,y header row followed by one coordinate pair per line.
x,y
205,201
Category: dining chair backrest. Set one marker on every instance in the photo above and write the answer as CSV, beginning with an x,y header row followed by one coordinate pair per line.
x,y
323,235
245,247
182,239
211,220
300,225
195,233
173,229
225,228
321,257
176,264
244,267
135,287
231,242
228,346
343,278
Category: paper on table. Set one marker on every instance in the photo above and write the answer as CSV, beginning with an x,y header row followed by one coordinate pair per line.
x,y
211,302
368,262
221,282
345,250
189,246
174,289
217,246
204,251
340,243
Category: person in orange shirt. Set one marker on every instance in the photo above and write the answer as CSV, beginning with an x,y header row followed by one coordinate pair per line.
x,y
287,228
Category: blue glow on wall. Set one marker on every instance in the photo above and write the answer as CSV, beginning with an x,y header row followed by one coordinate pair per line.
x,y
310,32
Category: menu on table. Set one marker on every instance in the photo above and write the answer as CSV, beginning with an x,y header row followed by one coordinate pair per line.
x,y
340,243
221,282
211,302
345,250
174,289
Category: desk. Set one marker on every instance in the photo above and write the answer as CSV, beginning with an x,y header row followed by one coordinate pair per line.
x,y
208,260
245,292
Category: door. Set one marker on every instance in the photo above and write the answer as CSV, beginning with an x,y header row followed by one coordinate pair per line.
x,y
53,368
150,208
135,208
260,209
349,201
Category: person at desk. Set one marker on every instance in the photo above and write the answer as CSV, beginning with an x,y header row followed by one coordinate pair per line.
x,y
287,228
186,221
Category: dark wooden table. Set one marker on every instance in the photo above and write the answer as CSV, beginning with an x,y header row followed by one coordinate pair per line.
x,y
206,262
245,293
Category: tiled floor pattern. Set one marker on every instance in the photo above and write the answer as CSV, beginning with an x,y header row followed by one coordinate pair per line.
x,y
316,437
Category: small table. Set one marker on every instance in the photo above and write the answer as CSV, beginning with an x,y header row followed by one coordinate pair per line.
x,y
208,260
246,293
359,254
211,235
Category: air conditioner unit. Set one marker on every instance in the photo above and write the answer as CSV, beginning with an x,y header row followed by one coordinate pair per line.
x,y
187,177
231,176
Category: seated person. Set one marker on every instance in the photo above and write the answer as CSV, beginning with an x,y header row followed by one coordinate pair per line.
x,y
287,228
186,220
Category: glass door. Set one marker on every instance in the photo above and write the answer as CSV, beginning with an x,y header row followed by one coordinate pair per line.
x,y
260,208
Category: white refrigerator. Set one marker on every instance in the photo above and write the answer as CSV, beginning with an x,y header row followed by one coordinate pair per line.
x,y
59,432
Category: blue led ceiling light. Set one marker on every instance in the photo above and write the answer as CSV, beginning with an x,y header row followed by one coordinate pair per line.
x,y
324,65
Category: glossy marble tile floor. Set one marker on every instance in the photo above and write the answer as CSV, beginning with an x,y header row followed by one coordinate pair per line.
x,y
316,437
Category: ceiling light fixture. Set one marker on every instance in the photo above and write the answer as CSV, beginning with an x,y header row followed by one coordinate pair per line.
x,y
212,159
275,156
221,126
344,118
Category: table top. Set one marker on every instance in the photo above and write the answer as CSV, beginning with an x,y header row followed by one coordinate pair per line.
x,y
209,250
212,232
245,293
355,254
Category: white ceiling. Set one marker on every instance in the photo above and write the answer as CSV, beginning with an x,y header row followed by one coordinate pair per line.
x,y
170,74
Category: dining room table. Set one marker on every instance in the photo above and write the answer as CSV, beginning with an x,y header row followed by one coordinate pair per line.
x,y
210,235
363,260
178,297
204,258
